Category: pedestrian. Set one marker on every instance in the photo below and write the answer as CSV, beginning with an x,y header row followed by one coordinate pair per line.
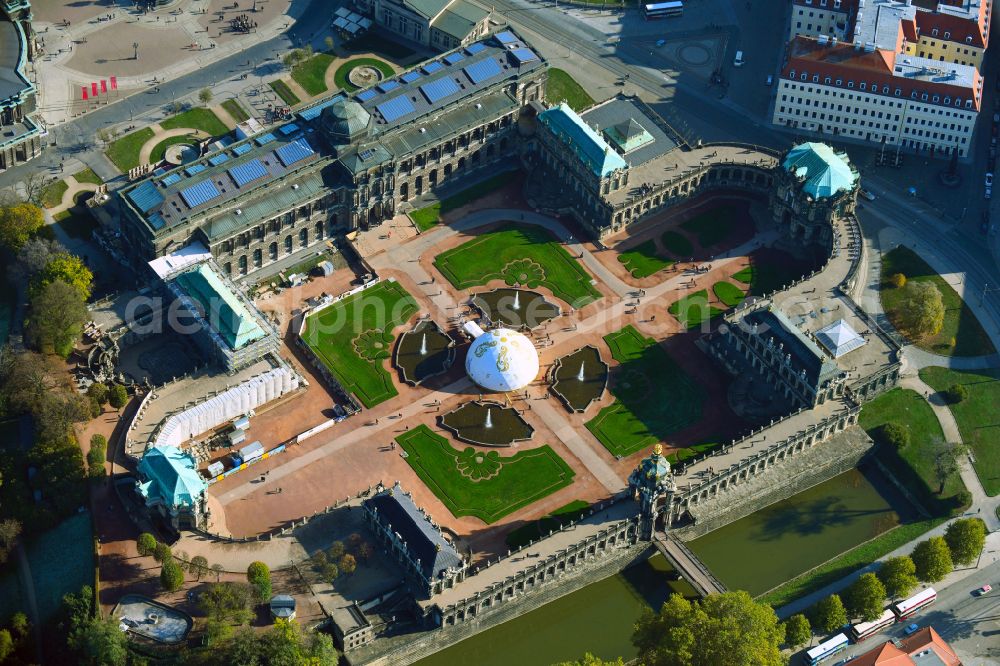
x,y
652,318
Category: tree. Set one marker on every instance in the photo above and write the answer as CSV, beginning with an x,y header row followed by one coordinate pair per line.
x,y
171,575
282,644
145,544
322,651
728,628
118,396
244,649
829,614
199,566
329,43
77,610
259,576
865,597
897,280
591,660
205,96
956,393
227,603
19,625
99,392
354,540
921,310
32,259
217,570
97,455
10,529
100,642
348,564
965,538
56,320
162,553
365,551
895,435
68,268
18,223
932,559
898,575
945,464
6,645
335,550
797,631
330,571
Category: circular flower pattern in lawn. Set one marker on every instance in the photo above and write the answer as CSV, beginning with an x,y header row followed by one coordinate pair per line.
x,y
477,465
523,272
373,344
632,385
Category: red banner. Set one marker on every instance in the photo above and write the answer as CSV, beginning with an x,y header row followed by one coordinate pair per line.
x,y
104,87
84,89
93,88
114,83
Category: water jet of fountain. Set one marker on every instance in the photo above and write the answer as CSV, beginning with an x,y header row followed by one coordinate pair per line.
x,y
423,345
517,300
579,375
489,418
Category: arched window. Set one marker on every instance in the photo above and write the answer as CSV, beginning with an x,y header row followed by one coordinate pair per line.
x,y
272,251
258,258
243,264
303,237
288,244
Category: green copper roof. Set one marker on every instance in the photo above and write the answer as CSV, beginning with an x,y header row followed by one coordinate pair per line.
x,y
222,308
825,172
628,135
171,476
588,145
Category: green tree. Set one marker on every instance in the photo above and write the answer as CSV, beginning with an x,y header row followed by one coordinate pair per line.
x,y
322,651
897,280
18,223
591,660
932,559
728,628
67,268
217,570
97,455
227,604
199,566
282,644
797,631
965,538
348,564
895,435
244,649
898,575
829,614
99,392
118,396
162,553
6,645
145,544
921,310
865,597
56,320
99,642
76,611
330,571
259,576
205,96
19,625
171,575
956,393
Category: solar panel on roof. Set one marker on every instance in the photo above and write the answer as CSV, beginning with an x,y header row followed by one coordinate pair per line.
x,y
242,148
312,113
218,159
247,173
473,49
452,58
366,154
146,196
199,194
482,70
506,37
410,77
386,86
171,179
431,67
395,108
264,138
293,152
156,221
522,56
366,95
192,170
288,129
159,171
438,90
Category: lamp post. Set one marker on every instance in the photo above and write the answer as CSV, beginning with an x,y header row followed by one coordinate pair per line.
x,y
135,50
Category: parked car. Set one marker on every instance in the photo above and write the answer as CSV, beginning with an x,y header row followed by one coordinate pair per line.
x,y
867,195
661,42
989,179
985,589
996,117
770,79
911,629
989,193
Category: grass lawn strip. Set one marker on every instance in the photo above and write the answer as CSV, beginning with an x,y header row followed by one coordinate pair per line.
x,y
513,251
563,87
728,293
523,478
429,216
677,244
124,152
332,334
52,194
197,118
340,76
959,321
311,73
693,310
914,465
976,417
236,110
536,529
88,176
284,92
654,396
713,227
160,150
643,260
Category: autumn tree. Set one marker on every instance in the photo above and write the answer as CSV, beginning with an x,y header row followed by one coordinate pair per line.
x,y
347,564
921,310
68,268
18,223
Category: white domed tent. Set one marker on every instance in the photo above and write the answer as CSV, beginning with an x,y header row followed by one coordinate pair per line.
x,y
502,360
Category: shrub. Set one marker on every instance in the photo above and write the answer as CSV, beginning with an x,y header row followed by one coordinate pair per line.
x,y
897,280
895,435
99,392
956,393
145,544
259,576
118,396
162,553
171,576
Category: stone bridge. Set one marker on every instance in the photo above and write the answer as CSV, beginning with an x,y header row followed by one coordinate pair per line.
x,y
687,564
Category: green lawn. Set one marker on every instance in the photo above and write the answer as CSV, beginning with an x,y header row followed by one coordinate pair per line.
x,y
693,310
978,417
771,270
52,194
311,73
76,223
160,149
560,87
914,465
959,321
284,92
354,336
536,529
712,227
483,484
340,77
88,176
198,118
379,44
728,293
522,254
124,152
429,216
643,260
654,396
236,110
677,244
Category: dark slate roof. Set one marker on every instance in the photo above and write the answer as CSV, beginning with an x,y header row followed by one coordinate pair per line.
x,y
423,540
12,54
805,352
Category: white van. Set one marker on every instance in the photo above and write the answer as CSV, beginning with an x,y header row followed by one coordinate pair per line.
x,y
738,60
770,79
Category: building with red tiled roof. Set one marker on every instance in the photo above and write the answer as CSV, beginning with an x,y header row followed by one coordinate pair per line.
x,y
911,651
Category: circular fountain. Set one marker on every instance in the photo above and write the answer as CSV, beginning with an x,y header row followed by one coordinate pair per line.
x,y
516,308
487,424
424,352
580,378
